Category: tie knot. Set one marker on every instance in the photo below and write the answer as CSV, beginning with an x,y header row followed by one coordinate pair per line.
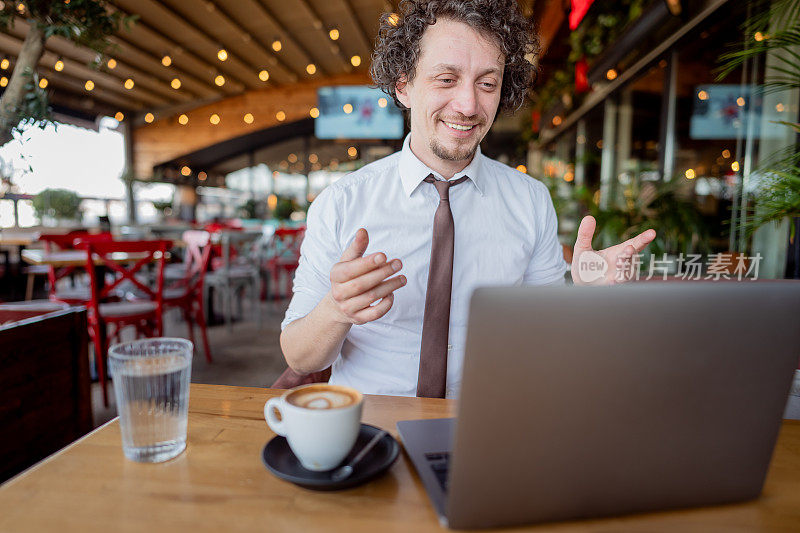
x,y
443,186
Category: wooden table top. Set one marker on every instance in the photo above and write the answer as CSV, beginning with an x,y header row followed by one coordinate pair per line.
x,y
67,258
220,485
17,240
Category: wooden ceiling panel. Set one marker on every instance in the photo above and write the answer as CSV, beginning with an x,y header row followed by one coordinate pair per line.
x,y
215,20
261,26
303,42
76,74
149,62
162,31
321,37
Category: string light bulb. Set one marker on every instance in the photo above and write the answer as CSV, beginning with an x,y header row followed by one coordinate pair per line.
x,y
276,45
183,119
394,19
186,171
120,116
382,102
311,68
149,118
333,34
281,116
355,61
59,66
175,83
128,84
4,63
222,54
352,151
611,74
111,63
43,83
89,85
248,118
347,108
220,80
263,75
3,81
166,61
313,112
214,119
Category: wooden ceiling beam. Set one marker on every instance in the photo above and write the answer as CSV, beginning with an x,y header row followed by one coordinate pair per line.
x,y
287,36
274,59
152,63
335,48
80,73
101,94
234,83
67,49
361,33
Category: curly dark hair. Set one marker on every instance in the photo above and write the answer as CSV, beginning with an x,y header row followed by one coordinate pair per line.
x,y
397,45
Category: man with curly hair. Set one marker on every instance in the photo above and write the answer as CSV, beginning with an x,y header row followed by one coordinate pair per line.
x,y
446,216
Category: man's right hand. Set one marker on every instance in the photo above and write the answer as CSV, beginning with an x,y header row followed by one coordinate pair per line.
x,y
357,282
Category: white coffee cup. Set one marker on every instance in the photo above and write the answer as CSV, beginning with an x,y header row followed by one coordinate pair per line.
x,y
320,421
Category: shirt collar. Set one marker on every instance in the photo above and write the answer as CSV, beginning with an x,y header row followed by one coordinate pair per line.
x,y
413,171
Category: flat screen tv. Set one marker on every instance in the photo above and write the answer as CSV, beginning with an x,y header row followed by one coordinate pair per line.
x,y
356,112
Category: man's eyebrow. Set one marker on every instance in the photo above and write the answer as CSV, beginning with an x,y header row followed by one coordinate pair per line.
x,y
447,67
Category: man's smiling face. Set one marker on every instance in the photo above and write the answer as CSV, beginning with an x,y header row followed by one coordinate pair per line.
x,y
454,95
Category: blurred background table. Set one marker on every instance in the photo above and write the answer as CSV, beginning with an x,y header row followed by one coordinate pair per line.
x,y
220,484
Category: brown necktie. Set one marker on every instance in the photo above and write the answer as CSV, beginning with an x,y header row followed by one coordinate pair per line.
x,y
433,353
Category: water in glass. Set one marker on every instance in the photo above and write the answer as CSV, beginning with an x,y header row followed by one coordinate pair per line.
x,y
151,383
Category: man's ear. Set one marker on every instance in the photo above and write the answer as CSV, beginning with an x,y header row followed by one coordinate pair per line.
x,y
401,90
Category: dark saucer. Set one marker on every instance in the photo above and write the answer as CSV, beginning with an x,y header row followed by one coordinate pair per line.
x,y
280,460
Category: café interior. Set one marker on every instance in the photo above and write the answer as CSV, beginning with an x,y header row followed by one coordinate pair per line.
x,y
240,113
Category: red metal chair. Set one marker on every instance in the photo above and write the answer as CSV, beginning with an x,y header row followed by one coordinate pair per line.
x,y
145,314
283,252
187,293
67,241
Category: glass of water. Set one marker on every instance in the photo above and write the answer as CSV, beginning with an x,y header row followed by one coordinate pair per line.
x,y
151,385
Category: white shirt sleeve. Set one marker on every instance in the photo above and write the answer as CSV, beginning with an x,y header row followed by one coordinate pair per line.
x,y
547,266
319,251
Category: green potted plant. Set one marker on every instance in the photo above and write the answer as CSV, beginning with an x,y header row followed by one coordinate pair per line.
x,y
57,204
284,208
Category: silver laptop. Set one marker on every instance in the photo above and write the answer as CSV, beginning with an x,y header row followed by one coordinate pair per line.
x,y
587,402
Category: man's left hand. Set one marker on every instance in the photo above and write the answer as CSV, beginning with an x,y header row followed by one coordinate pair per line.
x,y
605,267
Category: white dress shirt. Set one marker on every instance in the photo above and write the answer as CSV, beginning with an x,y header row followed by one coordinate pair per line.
x,y
505,234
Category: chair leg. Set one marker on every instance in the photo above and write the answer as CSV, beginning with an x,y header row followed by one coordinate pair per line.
x,y
99,361
256,298
229,306
187,315
29,287
201,321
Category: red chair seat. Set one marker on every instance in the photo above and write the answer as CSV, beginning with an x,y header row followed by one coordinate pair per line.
x,y
127,309
73,294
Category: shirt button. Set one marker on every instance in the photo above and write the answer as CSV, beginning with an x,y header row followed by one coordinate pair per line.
x,y
449,346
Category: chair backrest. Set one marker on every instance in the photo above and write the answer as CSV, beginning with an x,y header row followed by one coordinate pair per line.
x,y
285,244
138,254
66,241
196,260
61,241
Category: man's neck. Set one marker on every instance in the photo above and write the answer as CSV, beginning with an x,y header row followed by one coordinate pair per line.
x,y
447,169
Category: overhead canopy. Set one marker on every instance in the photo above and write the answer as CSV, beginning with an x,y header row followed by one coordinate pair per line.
x,y
184,61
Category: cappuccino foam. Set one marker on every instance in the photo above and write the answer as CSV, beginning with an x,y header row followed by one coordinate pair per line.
x,y
323,397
